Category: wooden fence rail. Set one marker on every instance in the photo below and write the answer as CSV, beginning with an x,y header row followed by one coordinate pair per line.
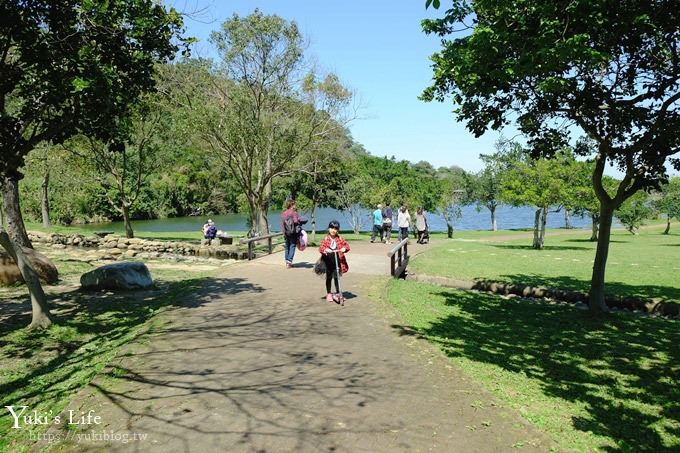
x,y
251,243
399,259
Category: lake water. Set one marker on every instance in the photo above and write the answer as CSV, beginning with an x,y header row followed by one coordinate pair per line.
x,y
507,217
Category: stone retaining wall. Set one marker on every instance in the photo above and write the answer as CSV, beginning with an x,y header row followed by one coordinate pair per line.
x,y
652,306
124,248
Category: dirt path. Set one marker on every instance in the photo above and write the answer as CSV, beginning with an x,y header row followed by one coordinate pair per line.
x,y
259,361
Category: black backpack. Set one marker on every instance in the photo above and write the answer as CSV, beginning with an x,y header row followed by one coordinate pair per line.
x,y
289,229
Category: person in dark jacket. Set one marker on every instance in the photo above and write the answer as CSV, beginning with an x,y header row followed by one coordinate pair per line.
x,y
209,231
291,237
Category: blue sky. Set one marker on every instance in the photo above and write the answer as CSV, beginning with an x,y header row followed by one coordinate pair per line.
x,y
377,48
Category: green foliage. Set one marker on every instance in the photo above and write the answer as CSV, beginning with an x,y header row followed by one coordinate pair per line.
x,y
563,62
485,187
634,211
541,183
78,67
261,119
668,200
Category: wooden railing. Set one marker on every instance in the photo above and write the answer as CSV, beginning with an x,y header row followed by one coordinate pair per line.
x,y
251,243
399,259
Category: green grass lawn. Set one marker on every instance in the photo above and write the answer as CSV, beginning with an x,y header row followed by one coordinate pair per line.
x,y
45,369
646,265
607,384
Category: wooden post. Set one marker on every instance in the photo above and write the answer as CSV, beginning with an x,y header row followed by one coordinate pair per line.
x,y
269,242
250,250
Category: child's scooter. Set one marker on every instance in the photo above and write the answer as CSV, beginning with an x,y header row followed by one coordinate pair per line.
x,y
340,299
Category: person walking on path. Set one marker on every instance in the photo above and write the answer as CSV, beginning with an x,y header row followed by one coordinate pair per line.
x,y
387,223
404,222
377,223
290,226
421,225
331,245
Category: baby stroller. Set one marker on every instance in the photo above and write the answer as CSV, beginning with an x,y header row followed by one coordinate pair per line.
x,y
424,236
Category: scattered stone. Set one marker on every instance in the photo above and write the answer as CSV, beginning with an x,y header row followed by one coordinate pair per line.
x,y
125,275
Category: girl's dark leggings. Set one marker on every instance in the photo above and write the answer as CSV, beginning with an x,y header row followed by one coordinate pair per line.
x,y
330,275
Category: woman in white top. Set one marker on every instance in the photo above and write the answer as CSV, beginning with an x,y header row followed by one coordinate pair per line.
x,y
421,225
404,222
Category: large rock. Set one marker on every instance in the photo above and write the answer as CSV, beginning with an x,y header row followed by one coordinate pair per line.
x,y
124,275
9,271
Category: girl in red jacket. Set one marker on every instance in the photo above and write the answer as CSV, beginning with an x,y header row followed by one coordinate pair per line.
x,y
333,244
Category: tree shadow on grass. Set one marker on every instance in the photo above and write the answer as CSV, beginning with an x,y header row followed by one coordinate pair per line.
x,y
624,369
588,241
545,247
643,292
89,329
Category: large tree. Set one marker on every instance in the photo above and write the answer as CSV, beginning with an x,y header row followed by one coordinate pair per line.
x,y
264,108
633,212
122,173
485,186
71,66
454,192
611,69
540,183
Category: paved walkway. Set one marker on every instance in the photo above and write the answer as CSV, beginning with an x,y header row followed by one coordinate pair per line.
x,y
259,361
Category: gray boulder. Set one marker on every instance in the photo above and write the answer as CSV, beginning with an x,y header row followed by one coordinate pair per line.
x,y
124,275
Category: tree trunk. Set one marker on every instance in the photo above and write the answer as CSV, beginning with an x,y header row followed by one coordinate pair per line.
x,y
537,242
449,230
567,221
263,221
668,225
15,222
313,221
252,217
596,295
544,219
41,318
595,221
126,221
45,200
494,226
265,199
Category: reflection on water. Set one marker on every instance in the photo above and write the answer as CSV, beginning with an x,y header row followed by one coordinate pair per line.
x,y
507,217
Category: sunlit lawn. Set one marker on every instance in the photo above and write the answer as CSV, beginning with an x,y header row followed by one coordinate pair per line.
x,y
591,384
646,265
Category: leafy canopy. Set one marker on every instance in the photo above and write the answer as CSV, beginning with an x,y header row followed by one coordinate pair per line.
x,y
611,68
70,66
